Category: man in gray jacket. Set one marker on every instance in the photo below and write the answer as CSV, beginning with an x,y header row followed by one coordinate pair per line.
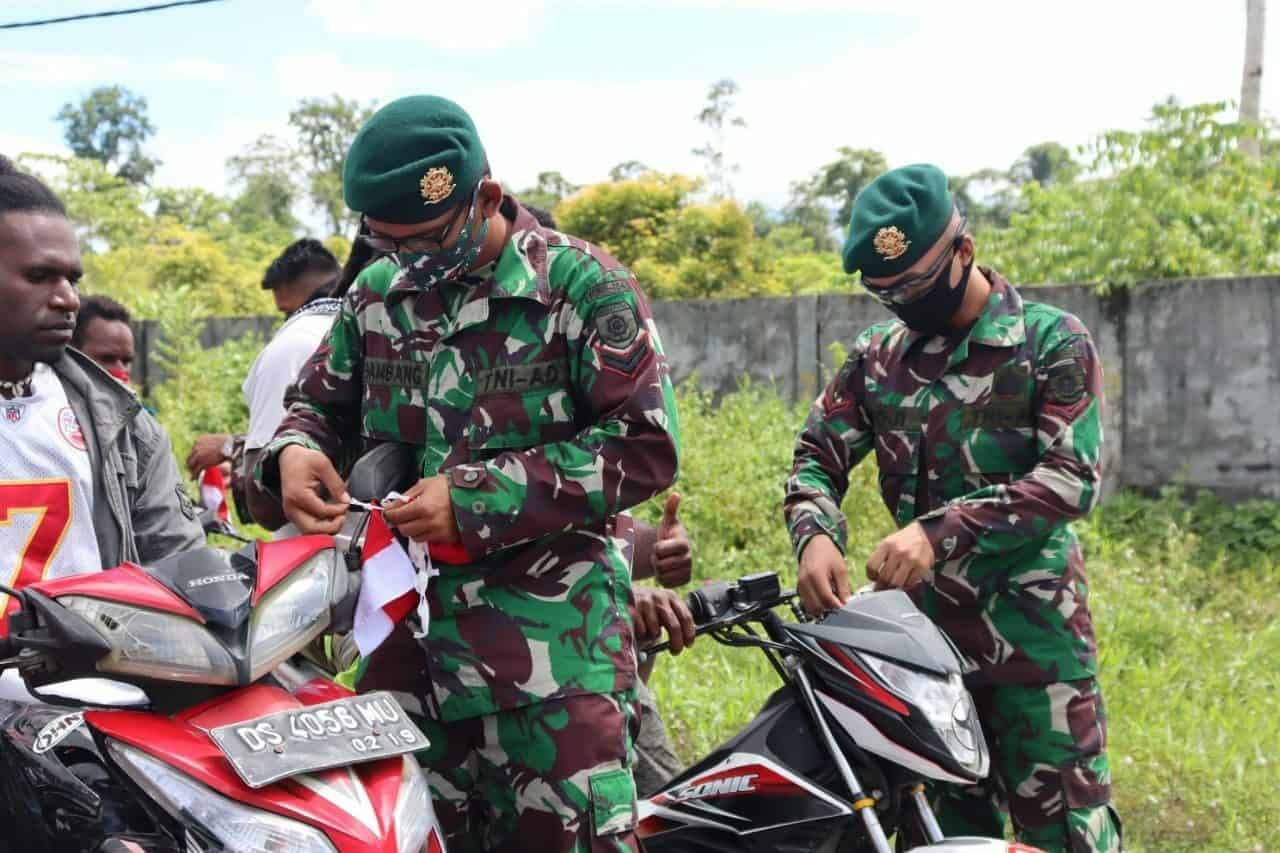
x,y
87,477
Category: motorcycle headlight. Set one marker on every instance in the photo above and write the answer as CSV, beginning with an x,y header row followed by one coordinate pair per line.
x,y
947,706
152,644
236,826
415,818
292,614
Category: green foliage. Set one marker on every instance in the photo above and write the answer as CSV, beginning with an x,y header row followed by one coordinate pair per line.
x,y
1177,199
110,125
325,128
824,202
550,188
1182,596
266,171
201,393
681,249
139,242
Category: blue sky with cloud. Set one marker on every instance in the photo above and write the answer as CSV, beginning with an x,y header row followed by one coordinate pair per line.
x,y
579,86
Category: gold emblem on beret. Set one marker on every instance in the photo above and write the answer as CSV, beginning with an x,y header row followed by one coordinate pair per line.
x,y
436,184
891,243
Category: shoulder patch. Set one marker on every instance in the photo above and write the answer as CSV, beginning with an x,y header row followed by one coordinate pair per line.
x,y
609,288
617,324
1066,382
1069,349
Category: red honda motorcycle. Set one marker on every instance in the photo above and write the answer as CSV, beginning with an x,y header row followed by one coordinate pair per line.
x,y
237,750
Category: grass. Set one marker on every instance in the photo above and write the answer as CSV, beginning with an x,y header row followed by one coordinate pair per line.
x,y
1183,594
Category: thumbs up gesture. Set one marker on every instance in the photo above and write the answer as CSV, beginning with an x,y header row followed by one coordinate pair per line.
x,y
672,551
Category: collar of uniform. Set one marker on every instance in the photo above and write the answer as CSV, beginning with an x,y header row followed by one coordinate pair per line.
x,y
521,269
1001,323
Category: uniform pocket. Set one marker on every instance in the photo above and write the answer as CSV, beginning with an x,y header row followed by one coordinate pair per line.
x,y
999,455
1092,823
520,406
613,801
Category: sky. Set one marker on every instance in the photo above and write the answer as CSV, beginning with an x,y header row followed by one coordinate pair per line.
x,y
581,85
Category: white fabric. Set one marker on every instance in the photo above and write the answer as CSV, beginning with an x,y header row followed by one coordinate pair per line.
x,y
275,369
46,488
386,574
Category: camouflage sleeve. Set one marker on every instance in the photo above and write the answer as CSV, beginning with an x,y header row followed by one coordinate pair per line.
x,y
835,438
1064,483
625,453
323,406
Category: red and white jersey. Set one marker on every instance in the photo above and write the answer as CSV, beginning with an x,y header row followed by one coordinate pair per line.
x,y
46,489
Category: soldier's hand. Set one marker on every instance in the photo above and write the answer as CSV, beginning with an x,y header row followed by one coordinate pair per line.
x,y
672,551
206,452
823,581
658,609
902,559
426,513
315,497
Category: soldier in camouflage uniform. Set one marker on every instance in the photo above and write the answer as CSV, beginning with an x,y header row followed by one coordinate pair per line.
x,y
984,413
524,367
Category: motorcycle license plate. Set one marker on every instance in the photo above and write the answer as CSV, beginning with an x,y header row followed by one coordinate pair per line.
x,y
318,737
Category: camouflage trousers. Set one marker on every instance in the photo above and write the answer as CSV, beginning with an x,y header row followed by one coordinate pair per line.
x,y
554,777
656,759
1049,770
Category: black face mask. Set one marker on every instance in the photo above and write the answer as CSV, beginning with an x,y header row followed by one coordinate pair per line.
x,y
931,314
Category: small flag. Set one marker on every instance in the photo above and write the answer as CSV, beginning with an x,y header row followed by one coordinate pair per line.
x,y
213,492
388,586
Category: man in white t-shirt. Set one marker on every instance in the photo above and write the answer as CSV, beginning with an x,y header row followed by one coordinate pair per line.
x,y
87,477
300,280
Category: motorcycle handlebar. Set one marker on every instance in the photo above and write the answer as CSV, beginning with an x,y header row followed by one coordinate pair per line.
x,y
715,604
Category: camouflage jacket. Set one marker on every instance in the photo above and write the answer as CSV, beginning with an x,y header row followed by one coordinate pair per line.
x,y
541,391
992,440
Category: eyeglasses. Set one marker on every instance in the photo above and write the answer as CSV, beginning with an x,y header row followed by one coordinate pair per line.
x,y
909,290
426,242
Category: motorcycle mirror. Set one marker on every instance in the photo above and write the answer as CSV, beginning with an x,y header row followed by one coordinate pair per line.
x,y
79,646
386,468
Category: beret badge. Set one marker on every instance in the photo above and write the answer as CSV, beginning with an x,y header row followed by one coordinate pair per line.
x,y
436,184
890,243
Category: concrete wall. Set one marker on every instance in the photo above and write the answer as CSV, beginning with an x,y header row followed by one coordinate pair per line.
x,y
1202,386
1192,368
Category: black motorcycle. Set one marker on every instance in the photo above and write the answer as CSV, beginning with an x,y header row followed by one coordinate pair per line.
x,y
873,705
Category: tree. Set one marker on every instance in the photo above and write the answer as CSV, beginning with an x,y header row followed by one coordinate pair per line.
x,y
266,171
548,191
1176,199
718,117
628,169
193,207
681,249
1251,86
1046,163
626,217
824,202
110,125
325,129
985,197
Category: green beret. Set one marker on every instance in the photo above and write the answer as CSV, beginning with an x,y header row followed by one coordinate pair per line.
x,y
413,160
896,219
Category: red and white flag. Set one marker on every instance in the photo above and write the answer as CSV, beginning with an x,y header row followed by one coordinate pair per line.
x,y
213,492
388,589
